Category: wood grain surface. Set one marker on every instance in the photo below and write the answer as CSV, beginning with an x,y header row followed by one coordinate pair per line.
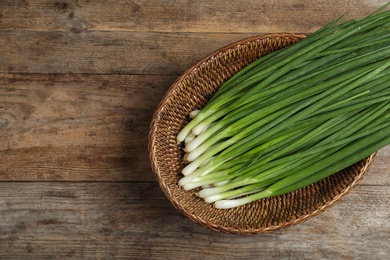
x,y
79,83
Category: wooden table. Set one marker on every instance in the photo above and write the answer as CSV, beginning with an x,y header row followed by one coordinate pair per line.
x,y
79,82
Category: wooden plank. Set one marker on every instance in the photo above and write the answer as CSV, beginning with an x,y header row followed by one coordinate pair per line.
x,y
107,52
134,221
77,127
380,169
178,16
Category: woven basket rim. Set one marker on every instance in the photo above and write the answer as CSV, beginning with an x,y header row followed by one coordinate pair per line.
x,y
194,217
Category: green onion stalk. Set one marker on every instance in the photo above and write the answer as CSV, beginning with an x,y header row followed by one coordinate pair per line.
x,y
294,116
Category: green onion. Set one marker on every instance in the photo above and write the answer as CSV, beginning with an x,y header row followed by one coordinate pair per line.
x,y
294,116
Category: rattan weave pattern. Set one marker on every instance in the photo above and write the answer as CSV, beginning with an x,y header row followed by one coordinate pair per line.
x,y
191,91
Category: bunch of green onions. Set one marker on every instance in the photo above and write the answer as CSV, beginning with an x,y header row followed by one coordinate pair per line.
x,y
293,117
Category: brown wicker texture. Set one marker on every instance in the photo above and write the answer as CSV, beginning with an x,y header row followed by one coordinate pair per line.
x,y
191,91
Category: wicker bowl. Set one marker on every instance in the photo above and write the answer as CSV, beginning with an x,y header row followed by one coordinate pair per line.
x,y
191,91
